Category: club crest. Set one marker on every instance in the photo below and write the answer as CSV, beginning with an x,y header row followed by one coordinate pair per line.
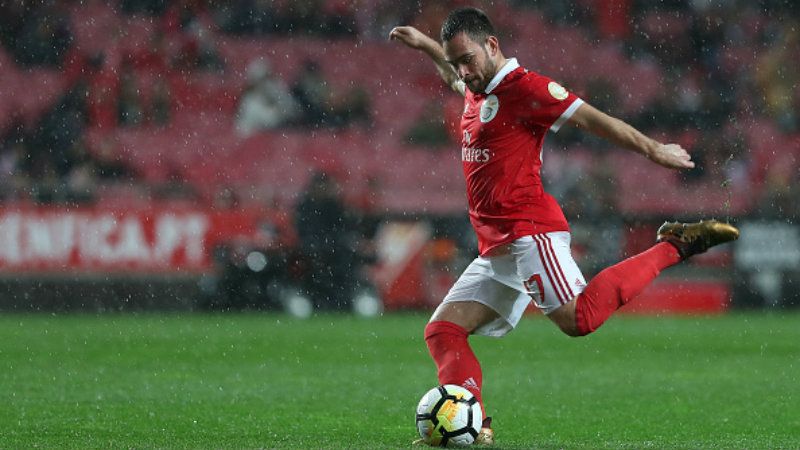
x,y
489,108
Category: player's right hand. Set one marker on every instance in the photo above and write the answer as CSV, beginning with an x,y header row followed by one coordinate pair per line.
x,y
672,156
410,36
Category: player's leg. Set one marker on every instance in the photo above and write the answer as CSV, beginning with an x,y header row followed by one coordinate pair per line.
x,y
478,303
612,288
463,311
469,315
617,285
446,336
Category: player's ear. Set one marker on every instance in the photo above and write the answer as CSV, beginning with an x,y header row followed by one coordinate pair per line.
x,y
492,45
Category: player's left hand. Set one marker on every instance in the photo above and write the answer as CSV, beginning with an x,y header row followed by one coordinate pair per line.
x,y
410,36
672,156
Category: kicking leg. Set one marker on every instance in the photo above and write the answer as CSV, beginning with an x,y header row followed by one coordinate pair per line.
x,y
612,288
617,285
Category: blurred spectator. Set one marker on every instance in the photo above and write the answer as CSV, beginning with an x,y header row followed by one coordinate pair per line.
x,y
182,14
226,199
266,102
671,110
57,132
102,79
151,62
592,195
198,49
198,53
311,90
13,179
12,19
350,107
667,34
245,17
320,105
42,37
778,80
159,111
13,151
81,181
781,191
14,133
176,187
429,129
129,106
719,160
327,245
108,165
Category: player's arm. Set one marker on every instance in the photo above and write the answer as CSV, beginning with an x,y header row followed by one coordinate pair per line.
x,y
419,41
620,133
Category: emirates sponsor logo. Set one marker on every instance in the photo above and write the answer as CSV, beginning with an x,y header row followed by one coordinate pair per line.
x,y
477,155
471,154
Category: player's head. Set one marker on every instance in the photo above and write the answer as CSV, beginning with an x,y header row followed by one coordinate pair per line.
x,y
470,45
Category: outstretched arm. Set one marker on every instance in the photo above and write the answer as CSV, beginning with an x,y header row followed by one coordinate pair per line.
x,y
419,41
672,156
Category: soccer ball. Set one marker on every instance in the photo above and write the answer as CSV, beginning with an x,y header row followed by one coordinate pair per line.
x,y
449,415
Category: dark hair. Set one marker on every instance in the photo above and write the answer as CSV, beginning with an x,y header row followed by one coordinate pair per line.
x,y
472,21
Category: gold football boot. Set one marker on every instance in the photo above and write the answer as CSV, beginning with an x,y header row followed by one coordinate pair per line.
x,y
693,238
486,436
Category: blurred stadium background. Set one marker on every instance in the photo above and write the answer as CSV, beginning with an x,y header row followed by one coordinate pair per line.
x,y
189,155
182,156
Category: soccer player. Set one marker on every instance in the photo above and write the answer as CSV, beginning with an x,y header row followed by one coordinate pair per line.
x,y
523,237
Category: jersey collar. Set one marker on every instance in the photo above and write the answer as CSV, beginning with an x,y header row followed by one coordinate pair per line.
x,y
510,65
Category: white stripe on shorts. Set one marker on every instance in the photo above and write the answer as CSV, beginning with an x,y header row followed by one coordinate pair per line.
x,y
553,268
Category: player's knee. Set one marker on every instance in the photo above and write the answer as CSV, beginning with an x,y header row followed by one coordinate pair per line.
x,y
568,325
441,327
572,330
566,320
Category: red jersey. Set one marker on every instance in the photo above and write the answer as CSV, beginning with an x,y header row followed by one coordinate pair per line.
x,y
502,134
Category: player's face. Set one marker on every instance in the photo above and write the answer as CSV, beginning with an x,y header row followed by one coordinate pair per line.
x,y
473,61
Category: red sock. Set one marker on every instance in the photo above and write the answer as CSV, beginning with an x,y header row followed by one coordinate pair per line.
x,y
455,361
618,284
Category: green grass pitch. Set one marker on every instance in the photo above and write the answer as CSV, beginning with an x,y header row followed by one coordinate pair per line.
x,y
267,381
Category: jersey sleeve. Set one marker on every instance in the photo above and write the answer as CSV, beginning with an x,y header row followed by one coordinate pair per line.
x,y
546,103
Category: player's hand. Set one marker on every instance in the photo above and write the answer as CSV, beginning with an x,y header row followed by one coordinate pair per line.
x,y
409,36
672,156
